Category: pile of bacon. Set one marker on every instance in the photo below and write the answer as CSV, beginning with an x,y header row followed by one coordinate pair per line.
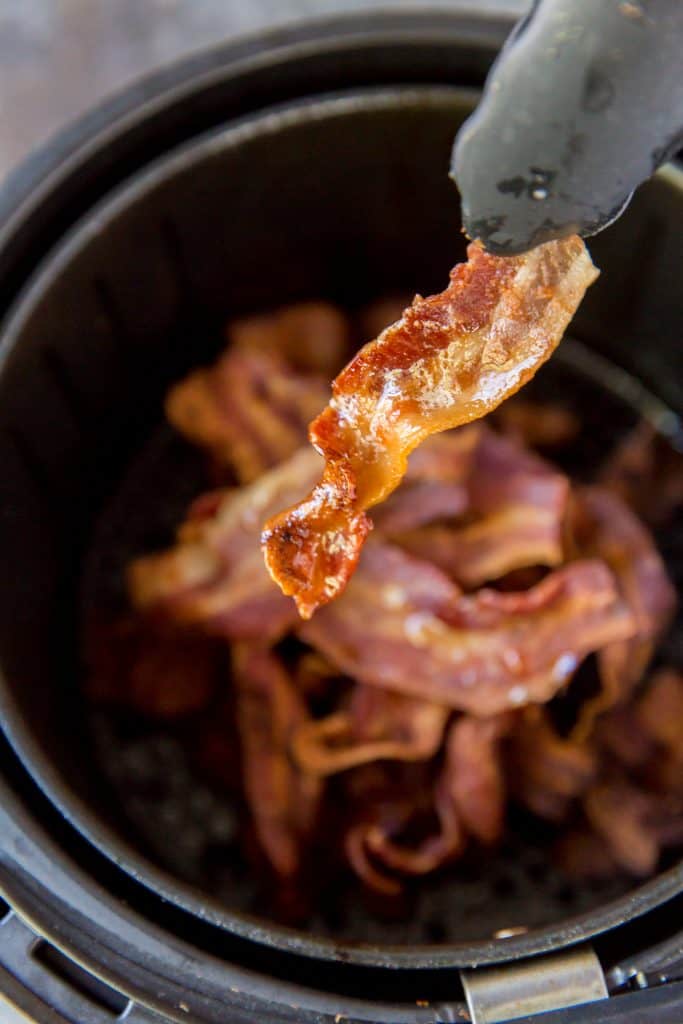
x,y
491,649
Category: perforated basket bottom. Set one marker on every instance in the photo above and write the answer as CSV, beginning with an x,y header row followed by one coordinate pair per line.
x,y
191,828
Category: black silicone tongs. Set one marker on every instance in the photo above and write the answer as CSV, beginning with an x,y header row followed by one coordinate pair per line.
x,y
583,104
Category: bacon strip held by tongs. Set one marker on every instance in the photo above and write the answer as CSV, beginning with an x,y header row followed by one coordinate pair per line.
x,y
449,360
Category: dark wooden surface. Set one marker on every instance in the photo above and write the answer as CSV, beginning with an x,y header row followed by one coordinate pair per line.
x,y
58,57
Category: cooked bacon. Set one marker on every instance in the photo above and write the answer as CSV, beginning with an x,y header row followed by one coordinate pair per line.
x,y
619,813
621,736
314,675
449,360
358,856
414,504
546,771
603,526
660,709
382,843
629,828
646,472
646,736
206,506
433,851
435,483
151,668
468,798
638,807
474,763
312,337
537,424
214,577
516,502
283,799
445,458
434,486
418,697
388,797
582,854
381,313
659,712
664,774
376,725
665,817
249,410
403,626
483,551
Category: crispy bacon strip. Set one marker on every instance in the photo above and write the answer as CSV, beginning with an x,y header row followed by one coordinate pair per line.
x,y
381,313
646,736
660,710
405,627
283,798
415,504
449,360
214,577
445,458
314,676
387,797
376,725
313,337
603,526
359,857
547,772
249,410
432,852
637,807
516,502
469,798
435,485
622,815
621,737
474,761
646,472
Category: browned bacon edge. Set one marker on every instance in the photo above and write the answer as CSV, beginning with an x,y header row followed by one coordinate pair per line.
x,y
449,360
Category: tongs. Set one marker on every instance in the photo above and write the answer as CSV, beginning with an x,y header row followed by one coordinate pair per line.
x,y
583,104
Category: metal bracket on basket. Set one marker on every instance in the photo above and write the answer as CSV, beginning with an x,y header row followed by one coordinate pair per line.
x,y
506,993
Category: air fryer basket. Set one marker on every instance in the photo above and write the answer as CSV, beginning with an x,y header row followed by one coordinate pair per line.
x,y
342,196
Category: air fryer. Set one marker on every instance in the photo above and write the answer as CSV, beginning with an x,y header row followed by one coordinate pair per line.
x,y
306,164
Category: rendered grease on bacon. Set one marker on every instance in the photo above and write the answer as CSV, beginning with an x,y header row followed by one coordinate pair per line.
x,y
450,359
